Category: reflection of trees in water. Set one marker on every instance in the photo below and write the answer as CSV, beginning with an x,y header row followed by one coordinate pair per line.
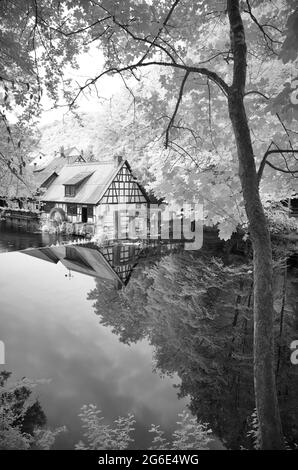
x,y
286,306
197,313
22,419
26,415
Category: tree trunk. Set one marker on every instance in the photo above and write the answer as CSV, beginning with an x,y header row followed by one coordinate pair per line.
x,y
264,376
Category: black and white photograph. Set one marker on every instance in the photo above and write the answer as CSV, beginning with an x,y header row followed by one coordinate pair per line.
x,y
148,230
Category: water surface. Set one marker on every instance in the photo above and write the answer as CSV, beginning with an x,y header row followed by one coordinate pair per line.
x,y
13,238
50,331
97,321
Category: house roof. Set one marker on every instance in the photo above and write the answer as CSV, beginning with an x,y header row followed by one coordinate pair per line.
x,y
48,179
78,178
45,254
101,176
57,163
71,151
85,260
42,174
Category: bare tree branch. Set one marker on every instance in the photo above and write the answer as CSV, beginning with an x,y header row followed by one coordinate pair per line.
x,y
176,108
13,171
268,39
256,92
213,76
145,40
292,172
70,33
266,162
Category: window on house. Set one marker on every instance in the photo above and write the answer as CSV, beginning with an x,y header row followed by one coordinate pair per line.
x,y
72,209
48,206
72,186
90,211
70,190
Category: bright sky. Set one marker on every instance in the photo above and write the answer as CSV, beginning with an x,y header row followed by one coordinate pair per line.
x,y
90,65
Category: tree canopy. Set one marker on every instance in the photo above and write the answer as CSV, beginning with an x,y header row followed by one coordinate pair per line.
x,y
176,64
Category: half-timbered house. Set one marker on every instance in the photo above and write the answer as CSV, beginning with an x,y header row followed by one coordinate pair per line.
x,y
85,193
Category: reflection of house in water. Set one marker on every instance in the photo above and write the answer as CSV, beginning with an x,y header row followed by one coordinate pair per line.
x,y
112,263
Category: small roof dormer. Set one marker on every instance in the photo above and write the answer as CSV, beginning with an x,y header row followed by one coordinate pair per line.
x,y
72,186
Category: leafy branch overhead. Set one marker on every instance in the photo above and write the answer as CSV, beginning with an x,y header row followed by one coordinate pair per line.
x,y
186,50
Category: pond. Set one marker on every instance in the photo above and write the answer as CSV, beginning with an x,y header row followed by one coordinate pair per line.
x,y
142,331
50,331
13,238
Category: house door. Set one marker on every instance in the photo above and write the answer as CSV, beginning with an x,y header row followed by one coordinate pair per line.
x,y
84,215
